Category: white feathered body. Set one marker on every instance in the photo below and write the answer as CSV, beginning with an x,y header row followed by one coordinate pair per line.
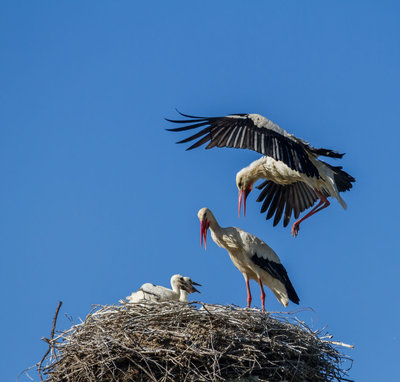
x,y
280,173
241,246
151,292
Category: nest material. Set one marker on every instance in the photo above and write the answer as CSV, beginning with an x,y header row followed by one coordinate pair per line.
x,y
172,341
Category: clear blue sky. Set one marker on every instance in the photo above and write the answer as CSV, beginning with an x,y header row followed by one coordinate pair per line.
x,y
96,198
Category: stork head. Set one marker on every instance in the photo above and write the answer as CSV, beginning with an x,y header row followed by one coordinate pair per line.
x,y
179,282
244,183
205,216
189,285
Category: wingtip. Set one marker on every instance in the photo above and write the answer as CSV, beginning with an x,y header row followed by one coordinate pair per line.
x,y
186,115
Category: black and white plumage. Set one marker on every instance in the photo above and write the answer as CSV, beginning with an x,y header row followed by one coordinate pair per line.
x,y
181,287
254,259
296,177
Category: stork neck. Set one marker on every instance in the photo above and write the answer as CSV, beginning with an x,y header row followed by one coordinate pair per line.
x,y
256,169
183,296
215,227
175,288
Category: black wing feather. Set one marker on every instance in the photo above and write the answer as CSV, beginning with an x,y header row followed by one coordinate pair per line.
x,y
276,198
342,179
239,131
327,153
269,195
279,272
289,208
262,185
193,137
199,143
297,204
281,206
274,203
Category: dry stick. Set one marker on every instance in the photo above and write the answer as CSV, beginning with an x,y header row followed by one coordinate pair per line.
x,y
49,341
340,344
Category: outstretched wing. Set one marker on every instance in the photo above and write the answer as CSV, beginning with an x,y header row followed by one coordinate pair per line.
x,y
281,200
250,131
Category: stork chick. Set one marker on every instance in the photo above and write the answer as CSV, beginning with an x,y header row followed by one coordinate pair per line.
x,y
151,292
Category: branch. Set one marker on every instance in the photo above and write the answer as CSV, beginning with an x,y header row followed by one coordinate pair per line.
x,y
49,341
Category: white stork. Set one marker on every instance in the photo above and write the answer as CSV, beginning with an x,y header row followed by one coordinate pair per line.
x,y
296,178
255,259
151,292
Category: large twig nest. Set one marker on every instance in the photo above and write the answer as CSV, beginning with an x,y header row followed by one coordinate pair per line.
x,y
172,341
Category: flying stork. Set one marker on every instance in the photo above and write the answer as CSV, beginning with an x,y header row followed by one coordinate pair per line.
x,y
151,292
295,178
254,258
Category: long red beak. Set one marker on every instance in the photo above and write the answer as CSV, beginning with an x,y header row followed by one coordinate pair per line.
x,y
203,232
243,194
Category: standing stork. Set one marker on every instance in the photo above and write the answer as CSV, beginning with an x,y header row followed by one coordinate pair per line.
x,y
254,259
295,178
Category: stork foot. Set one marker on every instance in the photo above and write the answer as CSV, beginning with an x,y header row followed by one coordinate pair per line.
x,y
295,229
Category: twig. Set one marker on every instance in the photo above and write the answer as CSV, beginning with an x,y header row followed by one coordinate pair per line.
x,y
340,344
49,341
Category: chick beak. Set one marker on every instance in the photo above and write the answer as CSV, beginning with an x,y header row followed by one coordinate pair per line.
x,y
193,289
203,232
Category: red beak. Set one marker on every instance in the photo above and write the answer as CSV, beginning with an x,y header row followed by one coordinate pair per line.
x,y
203,232
243,194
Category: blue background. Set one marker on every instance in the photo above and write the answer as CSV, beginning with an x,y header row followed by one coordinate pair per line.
x,y
96,198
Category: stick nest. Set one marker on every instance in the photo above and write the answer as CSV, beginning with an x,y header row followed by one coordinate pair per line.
x,y
173,341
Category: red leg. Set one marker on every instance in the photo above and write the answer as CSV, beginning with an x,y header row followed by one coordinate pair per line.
x,y
248,294
323,203
262,295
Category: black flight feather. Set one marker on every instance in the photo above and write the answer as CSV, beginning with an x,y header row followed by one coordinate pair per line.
x,y
342,179
281,205
268,198
241,132
262,185
267,185
277,271
288,209
281,200
327,153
